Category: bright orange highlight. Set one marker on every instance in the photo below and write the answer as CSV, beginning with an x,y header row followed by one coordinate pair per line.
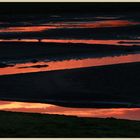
x,y
124,113
48,26
69,64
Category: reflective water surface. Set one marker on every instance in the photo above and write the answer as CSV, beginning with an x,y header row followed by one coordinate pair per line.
x,y
48,65
89,24
124,113
68,64
84,41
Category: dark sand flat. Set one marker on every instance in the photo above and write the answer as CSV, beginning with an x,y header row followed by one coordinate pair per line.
x,y
112,83
26,50
32,125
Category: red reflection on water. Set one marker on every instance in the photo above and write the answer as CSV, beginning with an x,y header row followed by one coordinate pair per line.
x,y
26,29
84,41
133,113
95,24
91,41
69,64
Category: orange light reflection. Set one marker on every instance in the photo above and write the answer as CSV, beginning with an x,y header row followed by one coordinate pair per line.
x,y
84,41
26,29
69,64
96,24
133,113
48,26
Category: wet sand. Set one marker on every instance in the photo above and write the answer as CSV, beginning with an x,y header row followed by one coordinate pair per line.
x,y
77,87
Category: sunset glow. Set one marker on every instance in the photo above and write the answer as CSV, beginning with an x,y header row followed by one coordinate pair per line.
x,y
26,29
49,26
96,24
124,113
84,41
69,64
117,47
